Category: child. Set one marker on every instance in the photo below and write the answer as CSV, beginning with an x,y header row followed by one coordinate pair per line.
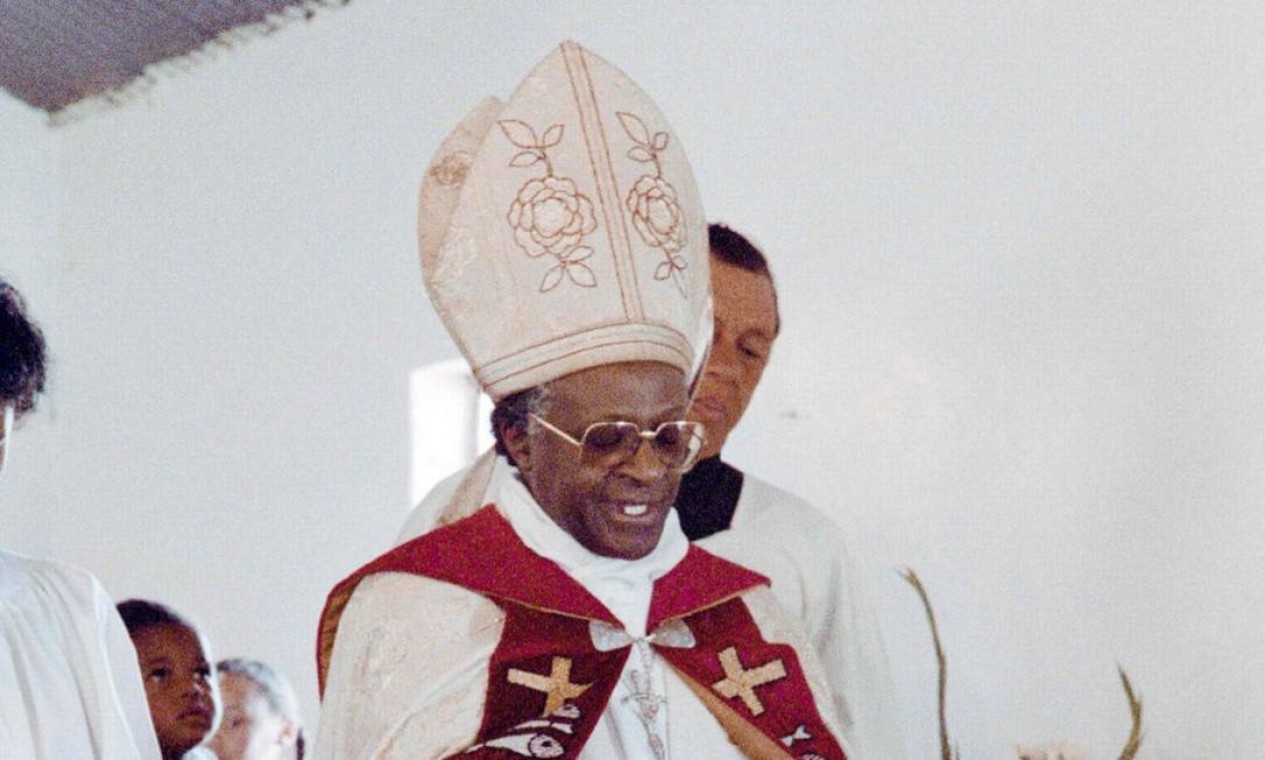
x,y
261,714
183,696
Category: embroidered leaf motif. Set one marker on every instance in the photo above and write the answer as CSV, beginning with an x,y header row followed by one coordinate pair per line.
x,y
638,153
525,158
678,277
552,137
548,214
520,133
677,261
580,274
663,271
635,128
660,140
578,254
552,278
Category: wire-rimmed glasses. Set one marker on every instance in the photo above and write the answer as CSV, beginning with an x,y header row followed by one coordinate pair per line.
x,y
610,444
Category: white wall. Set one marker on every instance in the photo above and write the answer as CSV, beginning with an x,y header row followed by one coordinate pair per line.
x,y
1037,260
1019,252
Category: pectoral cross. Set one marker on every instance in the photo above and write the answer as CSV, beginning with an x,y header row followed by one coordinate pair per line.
x,y
557,685
742,683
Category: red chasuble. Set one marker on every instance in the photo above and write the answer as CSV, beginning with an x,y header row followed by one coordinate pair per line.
x,y
548,682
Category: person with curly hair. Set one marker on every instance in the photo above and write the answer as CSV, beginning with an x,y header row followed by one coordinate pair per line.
x,y
69,685
22,360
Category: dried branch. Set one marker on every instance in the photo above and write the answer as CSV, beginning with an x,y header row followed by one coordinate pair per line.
x,y
951,752
946,751
1135,713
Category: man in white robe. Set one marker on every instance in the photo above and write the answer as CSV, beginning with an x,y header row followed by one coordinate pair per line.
x,y
417,681
814,571
570,617
69,683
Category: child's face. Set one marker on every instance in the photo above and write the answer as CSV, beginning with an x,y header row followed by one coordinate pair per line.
x,y
183,699
250,729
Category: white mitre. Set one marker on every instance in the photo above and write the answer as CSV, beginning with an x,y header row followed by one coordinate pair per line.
x,y
563,230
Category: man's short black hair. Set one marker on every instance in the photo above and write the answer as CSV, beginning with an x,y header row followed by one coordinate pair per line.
x,y
514,412
22,353
733,248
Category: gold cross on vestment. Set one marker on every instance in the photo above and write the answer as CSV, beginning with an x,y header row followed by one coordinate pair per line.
x,y
557,685
742,683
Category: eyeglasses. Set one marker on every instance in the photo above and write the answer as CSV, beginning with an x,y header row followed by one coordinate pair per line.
x,y
610,444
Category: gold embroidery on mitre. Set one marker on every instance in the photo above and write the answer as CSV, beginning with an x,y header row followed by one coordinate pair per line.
x,y
549,214
451,171
742,683
556,686
652,202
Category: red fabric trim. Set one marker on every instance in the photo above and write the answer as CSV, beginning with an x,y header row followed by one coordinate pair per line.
x,y
699,581
789,708
480,552
484,554
547,617
514,714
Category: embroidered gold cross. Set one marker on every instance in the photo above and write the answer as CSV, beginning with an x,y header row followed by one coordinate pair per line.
x,y
557,685
742,683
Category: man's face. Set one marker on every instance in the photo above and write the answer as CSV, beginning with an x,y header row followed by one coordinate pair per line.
x,y
617,511
746,326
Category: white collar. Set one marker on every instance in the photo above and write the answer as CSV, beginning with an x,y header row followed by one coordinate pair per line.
x,y
623,585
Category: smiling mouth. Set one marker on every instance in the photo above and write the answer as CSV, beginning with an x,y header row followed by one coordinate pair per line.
x,y
637,512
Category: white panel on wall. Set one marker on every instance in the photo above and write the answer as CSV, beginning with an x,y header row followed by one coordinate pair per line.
x,y
443,411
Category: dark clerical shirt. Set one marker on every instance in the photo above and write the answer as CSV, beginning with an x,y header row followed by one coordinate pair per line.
x,y
708,498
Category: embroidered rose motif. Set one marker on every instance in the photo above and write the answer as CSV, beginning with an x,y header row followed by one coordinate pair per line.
x,y
549,214
652,202
452,170
657,214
